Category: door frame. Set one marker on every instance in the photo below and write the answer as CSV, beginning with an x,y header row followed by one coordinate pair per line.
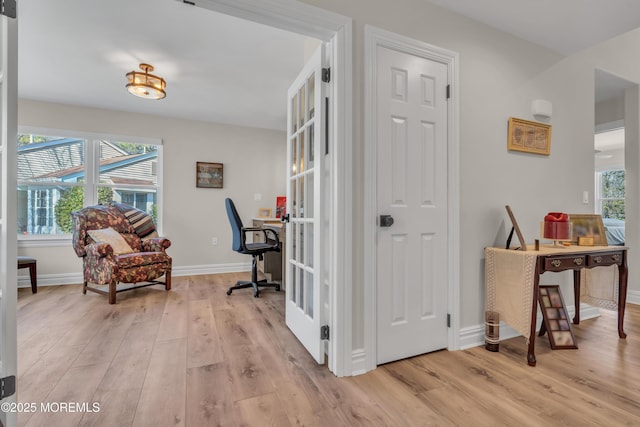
x,y
8,215
302,18
374,37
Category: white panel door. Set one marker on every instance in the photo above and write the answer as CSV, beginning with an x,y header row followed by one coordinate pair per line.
x,y
305,136
8,194
411,187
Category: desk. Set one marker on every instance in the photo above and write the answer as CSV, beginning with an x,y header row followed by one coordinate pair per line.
x,y
274,263
513,278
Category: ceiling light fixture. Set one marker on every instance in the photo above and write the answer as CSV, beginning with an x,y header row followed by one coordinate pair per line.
x,y
146,85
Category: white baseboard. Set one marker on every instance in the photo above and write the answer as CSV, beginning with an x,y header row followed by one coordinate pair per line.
x,y
190,270
473,336
196,270
51,280
633,297
358,362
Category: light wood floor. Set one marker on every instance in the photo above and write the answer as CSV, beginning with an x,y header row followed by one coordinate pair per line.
x,y
196,357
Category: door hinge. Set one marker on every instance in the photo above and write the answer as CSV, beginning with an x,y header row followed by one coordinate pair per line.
x,y
448,91
326,126
7,386
324,332
8,8
448,320
326,75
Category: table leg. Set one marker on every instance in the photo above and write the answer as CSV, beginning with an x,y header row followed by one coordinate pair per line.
x,y
543,329
622,294
576,296
531,356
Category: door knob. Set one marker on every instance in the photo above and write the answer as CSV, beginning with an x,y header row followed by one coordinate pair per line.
x,y
386,220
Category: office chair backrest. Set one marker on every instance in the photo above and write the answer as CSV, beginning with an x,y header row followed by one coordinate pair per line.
x,y
236,225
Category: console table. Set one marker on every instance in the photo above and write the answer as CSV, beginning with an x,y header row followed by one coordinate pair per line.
x,y
513,278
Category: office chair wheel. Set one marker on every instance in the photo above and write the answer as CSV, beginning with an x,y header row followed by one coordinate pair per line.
x,y
256,294
229,292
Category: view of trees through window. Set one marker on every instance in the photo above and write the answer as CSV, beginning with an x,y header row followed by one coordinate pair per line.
x,y
612,194
54,179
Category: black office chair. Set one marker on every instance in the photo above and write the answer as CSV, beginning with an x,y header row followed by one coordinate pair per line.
x,y
256,250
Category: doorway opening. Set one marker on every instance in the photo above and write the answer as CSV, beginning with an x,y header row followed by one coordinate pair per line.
x,y
326,26
609,154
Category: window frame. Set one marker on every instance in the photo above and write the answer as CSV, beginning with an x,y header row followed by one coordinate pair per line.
x,y
92,175
599,199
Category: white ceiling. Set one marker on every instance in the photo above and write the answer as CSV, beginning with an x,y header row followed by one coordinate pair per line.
x,y
609,140
565,26
223,69
218,68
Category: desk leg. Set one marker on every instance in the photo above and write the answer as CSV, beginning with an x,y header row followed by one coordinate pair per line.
x,y
576,296
531,356
622,294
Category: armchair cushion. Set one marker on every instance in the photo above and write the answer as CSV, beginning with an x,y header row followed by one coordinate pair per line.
x,y
138,259
113,238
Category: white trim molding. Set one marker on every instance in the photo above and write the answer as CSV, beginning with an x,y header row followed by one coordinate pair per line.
x,y
473,336
375,37
187,270
633,297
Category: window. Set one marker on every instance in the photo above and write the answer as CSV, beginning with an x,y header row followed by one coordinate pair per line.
x,y
610,194
61,174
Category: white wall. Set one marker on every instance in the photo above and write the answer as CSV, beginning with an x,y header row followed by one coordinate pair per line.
x,y
499,77
610,110
254,162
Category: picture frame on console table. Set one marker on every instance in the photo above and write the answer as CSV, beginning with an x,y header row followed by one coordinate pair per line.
x,y
516,228
556,319
587,228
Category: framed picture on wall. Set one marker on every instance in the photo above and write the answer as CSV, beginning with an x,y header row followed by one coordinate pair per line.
x,y
208,175
530,137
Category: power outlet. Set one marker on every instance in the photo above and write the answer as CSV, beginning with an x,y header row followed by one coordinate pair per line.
x,y
214,241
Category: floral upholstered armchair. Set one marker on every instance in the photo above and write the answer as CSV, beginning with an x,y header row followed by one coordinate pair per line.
x,y
118,244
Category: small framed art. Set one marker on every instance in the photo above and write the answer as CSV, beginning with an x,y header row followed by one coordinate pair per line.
x,y
264,213
530,137
556,319
587,230
209,175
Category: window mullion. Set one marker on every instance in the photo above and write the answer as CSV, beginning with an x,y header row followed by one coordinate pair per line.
x,y
92,162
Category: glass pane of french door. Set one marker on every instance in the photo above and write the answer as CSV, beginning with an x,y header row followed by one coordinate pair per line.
x,y
303,198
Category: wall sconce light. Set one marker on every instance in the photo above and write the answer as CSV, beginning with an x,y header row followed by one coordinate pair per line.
x,y
541,108
146,85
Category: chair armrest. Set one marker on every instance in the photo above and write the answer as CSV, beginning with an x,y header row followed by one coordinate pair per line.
x,y
245,229
264,232
98,250
273,233
155,244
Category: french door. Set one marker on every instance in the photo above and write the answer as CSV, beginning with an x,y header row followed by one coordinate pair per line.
x,y
305,139
8,193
